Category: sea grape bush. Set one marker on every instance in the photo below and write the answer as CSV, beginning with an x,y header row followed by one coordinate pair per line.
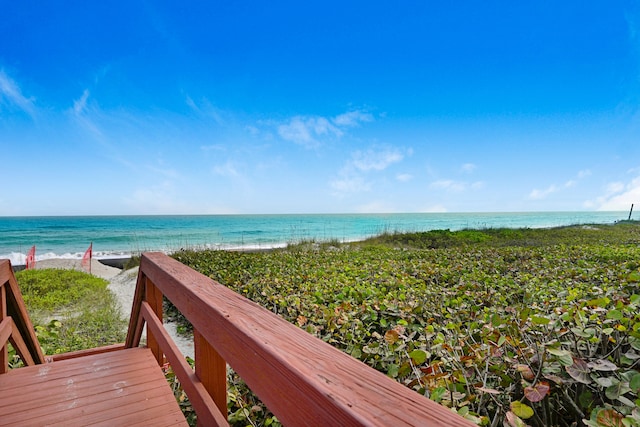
x,y
537,334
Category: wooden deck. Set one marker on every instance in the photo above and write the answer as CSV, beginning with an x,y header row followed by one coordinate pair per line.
x,y
123,387
116,388
301,379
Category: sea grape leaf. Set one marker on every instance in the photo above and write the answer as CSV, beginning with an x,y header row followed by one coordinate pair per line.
x,y
626,401
632,355
579,371
634,276
616,390
605,381
438,393
522,410
391,336
512,420
564,356
581,333
610,418
539,320
392,371
496,320
602,365
418,357
488,390
599,302
537,392
634,383
615,314
526,372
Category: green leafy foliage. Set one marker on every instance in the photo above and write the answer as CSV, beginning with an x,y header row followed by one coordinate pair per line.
x,y
71,310
488,322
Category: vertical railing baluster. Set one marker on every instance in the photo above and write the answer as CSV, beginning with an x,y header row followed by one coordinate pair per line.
x,y
211,369
4,351
154,298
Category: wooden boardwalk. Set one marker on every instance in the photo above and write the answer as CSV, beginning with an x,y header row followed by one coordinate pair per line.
x,y
123,387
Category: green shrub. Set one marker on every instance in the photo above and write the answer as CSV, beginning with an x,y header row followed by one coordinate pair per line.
x,y
526,326
71,310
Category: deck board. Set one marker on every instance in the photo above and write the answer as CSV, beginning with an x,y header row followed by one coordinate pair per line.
x,y
118,388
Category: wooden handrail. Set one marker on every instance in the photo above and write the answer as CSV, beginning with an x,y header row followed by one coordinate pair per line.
x,y
15,325
301,379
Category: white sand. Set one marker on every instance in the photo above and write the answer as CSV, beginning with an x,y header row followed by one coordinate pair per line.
x,y
97,268
123,285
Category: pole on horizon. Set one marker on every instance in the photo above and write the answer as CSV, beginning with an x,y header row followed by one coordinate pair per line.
x,y
630,212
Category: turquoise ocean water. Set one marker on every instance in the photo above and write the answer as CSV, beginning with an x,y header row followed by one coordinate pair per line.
x,y
117,236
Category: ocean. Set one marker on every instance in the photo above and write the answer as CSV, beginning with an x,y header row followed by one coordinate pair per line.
x,y
121,236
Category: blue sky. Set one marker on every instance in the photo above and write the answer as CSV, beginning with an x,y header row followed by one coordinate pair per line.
x,y
312,107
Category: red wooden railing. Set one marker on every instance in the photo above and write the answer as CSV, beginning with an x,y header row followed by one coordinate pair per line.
x,y
301,379
15,325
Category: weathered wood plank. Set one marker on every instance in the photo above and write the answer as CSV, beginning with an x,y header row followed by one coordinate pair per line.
x,y
5,330
87,352
122,385
66,385
302,380
153,298
134,332
19,344
4,353
212,371
5,271
208,413
95,366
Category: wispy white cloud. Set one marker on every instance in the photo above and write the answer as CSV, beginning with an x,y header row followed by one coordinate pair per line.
x,y
352,176
404,177
85,116
311,131
213,147
306,131
538,194
80,104
618,196
228,169
160,198
584,173
205,108
352,118
468,168
376,159
11,95
448,185
454,186
348,184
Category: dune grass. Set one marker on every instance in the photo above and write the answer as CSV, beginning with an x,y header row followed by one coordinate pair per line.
x,y
71,310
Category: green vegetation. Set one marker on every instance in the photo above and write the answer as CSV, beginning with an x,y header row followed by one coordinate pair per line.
x,y
513,327
70,310
508,327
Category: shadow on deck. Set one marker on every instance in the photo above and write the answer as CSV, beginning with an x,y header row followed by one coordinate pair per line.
x,y
301,379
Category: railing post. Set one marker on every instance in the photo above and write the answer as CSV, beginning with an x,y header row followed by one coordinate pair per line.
x,y
211,369
154,299
4,351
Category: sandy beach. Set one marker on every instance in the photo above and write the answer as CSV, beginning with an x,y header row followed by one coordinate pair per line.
x,y
123,285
